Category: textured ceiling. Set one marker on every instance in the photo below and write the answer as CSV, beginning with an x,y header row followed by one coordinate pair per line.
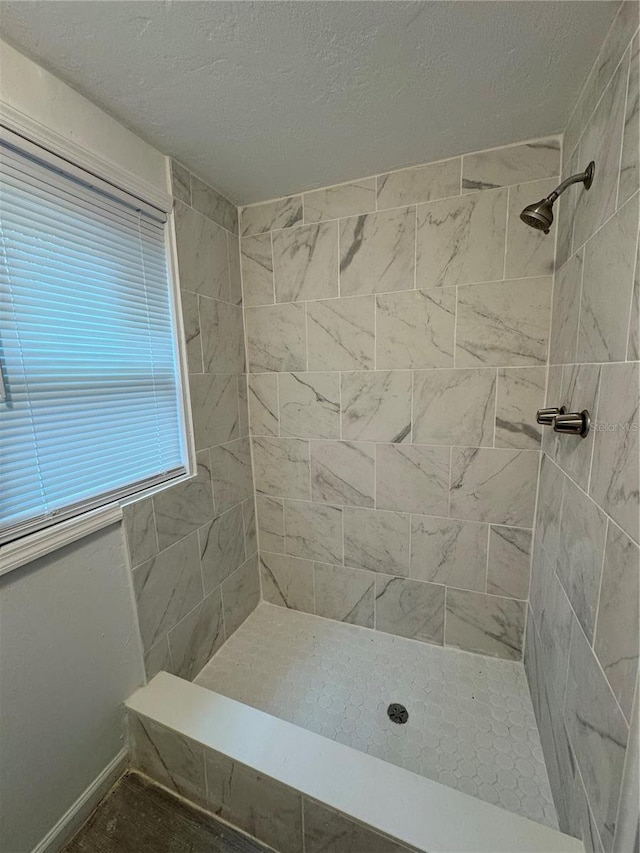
x,y
261,99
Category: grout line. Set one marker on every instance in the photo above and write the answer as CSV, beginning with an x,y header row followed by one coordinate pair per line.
x,y
597,613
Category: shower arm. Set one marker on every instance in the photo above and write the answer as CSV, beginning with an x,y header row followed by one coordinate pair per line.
x,y
585,178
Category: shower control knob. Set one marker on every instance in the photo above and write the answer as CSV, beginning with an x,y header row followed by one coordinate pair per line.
x,y
547,417
573,423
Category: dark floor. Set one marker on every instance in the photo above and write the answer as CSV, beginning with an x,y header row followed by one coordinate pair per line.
x,y
138,817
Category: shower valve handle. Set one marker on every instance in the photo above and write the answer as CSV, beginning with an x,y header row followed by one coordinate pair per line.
x,y
573,423
547,417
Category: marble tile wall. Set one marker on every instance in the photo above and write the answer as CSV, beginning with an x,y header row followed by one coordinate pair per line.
x,y
193,547
583,630
397,338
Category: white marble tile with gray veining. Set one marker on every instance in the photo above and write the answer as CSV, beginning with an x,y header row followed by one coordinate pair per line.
x,y
485,623
556,620
287,581
412,479
494,485
529,252
326,829
341,333
579,391
377,540
564,212
410,608
305,262
214,205
618,626
201,246
197,637
607,286
343,473
263,404
222,334
180,183
419,184
271,215
415,329
276,338
566,311
503,324
347,595
158,659
243,405
313,531
549,505
461,239
250,527
509,562
377,252
181,509
454,406
166,588
191,327
449,552
214,406
240,594
270,512
520,395
376,406
281,467
351,199
222,548
257,270
235,271
552,397
231,473
309,404
140,529
633,344
629,180
514,164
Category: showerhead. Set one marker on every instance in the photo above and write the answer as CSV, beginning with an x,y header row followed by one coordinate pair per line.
x,y
540,214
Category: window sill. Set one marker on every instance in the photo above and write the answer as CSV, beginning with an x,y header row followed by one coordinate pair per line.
x,y
43,542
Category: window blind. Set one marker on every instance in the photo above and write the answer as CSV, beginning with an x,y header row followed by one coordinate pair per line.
x,y
91,402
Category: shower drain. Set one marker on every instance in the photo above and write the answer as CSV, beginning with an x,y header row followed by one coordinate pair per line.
x,y
397,713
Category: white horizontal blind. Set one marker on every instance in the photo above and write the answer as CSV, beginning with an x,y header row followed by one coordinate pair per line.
x,y
92,407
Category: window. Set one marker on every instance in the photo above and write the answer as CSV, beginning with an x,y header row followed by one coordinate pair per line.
x,y
90,399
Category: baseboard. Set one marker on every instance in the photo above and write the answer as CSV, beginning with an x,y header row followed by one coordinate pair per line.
x,y
74,817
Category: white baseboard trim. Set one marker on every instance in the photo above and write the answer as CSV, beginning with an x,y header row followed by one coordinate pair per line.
x,y
75,816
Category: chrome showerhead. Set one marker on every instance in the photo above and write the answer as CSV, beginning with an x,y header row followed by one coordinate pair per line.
x,y
540,214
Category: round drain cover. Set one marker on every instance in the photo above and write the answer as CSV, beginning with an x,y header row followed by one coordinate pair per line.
x,y
397,713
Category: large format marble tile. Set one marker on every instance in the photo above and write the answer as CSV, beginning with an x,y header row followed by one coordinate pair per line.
x,y
231,474
629,180
376,406
514,164
263,404
281,213
529,252
633,344
627,835
618,627
598,733
485,623
243,405
607,285
508,567
461,239
343,473
270,513
287,581
197,637
281,467
201,246
222,335
410,608
313,531
235,270
167,587
342,200
449,552
549,505
214,407
415,329
276,338
556,621
309,404
341,333
503,324
566,311
454,406
250,526
344,594
221,547
191,328
377,252
240,594
422,183
214,205
257,270
305,262
601,142
140,529
181,509
180,182
552,398
412,479
376,540
326,830
579,391
494,485
565,209
254,803
521,393
615,469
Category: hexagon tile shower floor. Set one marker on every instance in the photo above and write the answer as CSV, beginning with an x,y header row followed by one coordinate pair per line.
x,y
470,724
